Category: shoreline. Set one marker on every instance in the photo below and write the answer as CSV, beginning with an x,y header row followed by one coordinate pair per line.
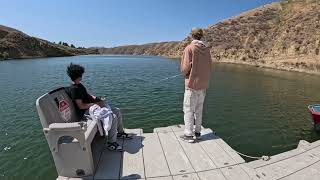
x,y
272,66
39,57
276,64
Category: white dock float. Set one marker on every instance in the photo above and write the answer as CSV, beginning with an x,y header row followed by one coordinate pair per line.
x,y
162,155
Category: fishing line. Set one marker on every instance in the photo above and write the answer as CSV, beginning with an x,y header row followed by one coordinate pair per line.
x,y
177,75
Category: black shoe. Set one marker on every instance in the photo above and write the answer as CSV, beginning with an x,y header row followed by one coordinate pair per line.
x,y
114,147
124,135
188,139
197,135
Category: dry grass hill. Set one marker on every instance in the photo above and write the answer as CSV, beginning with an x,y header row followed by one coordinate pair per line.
x,y
282,35
15,44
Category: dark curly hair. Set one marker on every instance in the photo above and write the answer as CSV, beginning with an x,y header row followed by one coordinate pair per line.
x,y
75,71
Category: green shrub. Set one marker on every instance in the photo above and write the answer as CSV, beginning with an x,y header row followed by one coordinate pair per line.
x,y
4,55
65,44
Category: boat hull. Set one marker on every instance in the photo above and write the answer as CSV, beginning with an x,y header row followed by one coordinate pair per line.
x,y
315,113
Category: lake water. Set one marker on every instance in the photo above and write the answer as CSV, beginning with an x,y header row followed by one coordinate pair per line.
x,y
256,111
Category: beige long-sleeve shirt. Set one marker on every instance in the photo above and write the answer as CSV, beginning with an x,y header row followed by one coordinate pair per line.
x,y
196,65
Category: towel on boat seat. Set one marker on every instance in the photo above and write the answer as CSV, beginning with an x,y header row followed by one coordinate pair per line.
x,y
103,114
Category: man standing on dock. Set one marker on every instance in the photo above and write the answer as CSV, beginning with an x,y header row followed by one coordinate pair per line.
x,y
196,65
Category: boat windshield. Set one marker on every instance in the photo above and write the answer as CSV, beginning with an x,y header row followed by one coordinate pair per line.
x,y
316,108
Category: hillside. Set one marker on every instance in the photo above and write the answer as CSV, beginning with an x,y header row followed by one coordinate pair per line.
x,y
15,44
282,35
161,49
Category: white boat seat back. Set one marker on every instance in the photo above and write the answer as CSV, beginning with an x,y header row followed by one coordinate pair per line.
x,y
57,107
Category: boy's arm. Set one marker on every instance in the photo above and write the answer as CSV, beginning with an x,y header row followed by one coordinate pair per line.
x,y
98,101
94,97
82,105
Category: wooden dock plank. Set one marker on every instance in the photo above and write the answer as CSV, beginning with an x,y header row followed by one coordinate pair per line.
x,y
231,152
215,152
97,148
253,174
309,173
305,145
132,166
275,158
67,178
162,129
288,166
212,174
180,127
315,150
161,178
177,159
110,165
192,176
312,148
235,172
154,159
197,156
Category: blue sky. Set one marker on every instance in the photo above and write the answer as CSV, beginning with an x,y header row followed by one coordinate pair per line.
x,y
117,22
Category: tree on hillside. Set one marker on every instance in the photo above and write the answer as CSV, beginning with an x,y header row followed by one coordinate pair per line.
x,y
72,46
4,55
65,44
60,43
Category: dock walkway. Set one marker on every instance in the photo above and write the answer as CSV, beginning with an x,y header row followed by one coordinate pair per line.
x,y
162,155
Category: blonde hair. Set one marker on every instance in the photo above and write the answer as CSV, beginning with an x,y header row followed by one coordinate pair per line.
x,y
197,33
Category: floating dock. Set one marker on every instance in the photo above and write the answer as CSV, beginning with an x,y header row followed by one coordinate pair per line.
x,y
162,155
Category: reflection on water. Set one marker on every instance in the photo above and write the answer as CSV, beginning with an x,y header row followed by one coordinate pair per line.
x,y
257,111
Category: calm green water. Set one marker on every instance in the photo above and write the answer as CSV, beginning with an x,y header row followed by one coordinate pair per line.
x,y
257,111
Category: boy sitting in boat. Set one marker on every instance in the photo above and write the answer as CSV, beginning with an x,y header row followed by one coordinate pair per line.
x,y
83,101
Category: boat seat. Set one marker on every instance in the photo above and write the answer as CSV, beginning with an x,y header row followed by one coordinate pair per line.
x,y
69,137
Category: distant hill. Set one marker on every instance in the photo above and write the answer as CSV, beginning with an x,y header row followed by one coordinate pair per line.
x,y
161,49
282,35
15,44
